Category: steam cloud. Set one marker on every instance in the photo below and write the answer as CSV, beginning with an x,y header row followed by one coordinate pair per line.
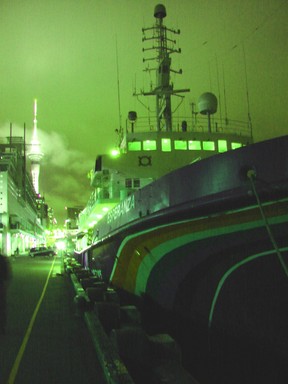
x,y
63,171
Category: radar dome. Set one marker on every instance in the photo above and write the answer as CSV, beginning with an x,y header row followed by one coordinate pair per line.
x,y
207,103
160,11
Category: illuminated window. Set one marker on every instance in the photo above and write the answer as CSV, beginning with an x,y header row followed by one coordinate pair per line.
x,y
134,146
222,145
236,145
149,145
166,145
208,145
180,145
194,145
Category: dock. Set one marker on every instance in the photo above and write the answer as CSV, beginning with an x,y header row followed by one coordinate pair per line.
x,y
54,333
45,340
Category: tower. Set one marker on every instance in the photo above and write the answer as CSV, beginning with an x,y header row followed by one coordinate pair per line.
x,y
35,155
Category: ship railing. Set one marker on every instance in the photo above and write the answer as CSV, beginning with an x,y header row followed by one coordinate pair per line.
x,y
193,124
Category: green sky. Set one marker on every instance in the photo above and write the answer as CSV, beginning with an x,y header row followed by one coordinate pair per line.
x,y
64,54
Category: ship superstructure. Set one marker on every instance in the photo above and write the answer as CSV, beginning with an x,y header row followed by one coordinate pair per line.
x,y
150,147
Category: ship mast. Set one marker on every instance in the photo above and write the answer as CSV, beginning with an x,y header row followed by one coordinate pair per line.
x,y
164,47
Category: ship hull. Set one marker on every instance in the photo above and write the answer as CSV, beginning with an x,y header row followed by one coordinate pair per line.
x,y
219,254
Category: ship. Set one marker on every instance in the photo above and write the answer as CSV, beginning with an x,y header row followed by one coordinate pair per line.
x,y
191,216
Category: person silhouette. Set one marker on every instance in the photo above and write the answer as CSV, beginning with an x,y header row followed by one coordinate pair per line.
x,y
4,277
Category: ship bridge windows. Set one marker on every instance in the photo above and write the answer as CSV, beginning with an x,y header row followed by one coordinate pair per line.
x,y
180,145
134,146
236,145
166,145
194,145
149,145
208,145
222,146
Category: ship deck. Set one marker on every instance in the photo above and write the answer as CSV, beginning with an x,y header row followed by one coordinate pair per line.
x,y
45,341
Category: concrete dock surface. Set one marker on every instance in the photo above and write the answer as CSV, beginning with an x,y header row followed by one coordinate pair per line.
x,y
45,341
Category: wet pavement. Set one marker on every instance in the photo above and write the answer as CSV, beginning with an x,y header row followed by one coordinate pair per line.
x,y
45,341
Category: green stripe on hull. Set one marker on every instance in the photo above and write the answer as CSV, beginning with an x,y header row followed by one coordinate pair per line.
x,y
135,280
145,268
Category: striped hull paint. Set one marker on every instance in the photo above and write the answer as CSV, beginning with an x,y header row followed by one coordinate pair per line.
x,y
221,271
155,261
